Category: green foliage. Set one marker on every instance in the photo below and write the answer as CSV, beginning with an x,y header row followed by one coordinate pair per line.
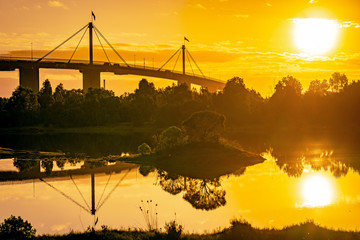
x,y
319,88
45,96
239,104
144,149
204,126
173,230
338,82
23,100
170,138
16,228
327,103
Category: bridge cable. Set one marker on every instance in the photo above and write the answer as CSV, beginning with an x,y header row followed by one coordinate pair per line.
x,y
187,55
62,43
97,30
78,45
176,60
195,63
107,197
169,59
62,193
102,47
102,194
82,196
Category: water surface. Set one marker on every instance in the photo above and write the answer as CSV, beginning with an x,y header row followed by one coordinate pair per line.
x,y
318,184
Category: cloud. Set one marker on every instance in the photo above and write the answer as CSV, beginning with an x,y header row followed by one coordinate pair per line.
x,y
200,6
241,15
54,3
350,24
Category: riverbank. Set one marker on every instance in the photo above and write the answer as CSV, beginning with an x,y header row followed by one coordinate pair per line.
x,y
212,158
238,230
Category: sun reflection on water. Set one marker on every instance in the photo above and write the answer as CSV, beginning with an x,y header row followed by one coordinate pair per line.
x,y
317,190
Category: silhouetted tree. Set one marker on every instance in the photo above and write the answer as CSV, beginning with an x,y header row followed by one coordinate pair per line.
x,y
204,126
338,81
318,88
239,104
46,99
16,228
284,106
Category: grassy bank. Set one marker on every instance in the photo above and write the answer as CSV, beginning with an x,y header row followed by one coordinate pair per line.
x,y
214,160
238,230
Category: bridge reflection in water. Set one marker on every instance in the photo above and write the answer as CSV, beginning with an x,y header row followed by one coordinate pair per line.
x,y
31,170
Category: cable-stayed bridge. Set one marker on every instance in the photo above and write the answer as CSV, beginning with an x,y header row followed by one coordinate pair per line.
x,y
29,67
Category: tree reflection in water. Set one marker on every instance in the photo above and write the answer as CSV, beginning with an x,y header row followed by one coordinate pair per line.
x,y
200,193
205,194
293,162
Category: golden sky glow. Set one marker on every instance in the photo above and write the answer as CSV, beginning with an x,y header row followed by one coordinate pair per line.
x,y
251,39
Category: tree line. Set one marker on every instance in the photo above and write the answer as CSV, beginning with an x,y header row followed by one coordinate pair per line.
x,y
333,103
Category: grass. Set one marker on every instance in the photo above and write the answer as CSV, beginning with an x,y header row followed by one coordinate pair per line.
x,y
237,230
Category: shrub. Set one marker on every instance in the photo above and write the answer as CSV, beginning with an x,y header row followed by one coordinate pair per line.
x,y
169,138
173,230
144,149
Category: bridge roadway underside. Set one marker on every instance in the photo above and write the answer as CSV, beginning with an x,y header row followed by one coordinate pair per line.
x,y
29,73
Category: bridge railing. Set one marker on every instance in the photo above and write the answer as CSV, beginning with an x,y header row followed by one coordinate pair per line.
x,y
79,61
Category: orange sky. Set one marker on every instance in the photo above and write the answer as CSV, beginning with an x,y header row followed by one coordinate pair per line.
x,y
249,39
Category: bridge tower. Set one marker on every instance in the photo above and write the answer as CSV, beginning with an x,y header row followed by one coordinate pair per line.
x,y
184,79
183,57
91,77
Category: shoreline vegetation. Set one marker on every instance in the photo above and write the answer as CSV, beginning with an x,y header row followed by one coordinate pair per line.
x,y
326,104
19,229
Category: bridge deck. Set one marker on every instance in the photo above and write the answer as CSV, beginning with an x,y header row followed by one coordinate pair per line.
x,y
10,64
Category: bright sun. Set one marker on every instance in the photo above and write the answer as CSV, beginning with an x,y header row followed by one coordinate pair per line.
x,y
317,191
315,36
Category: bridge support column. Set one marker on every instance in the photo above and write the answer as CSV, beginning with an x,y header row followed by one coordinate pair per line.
x,y
29,78
91,79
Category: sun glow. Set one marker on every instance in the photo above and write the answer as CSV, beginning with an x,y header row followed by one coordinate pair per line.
x,y
315,36
317,191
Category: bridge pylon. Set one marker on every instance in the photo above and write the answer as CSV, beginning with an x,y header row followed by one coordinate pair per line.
x,y
91,77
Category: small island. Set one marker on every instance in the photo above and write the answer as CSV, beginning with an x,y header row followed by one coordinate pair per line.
x,y
196,150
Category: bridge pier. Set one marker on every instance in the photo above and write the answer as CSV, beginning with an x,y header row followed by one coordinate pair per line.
x,y
29,78
91,79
